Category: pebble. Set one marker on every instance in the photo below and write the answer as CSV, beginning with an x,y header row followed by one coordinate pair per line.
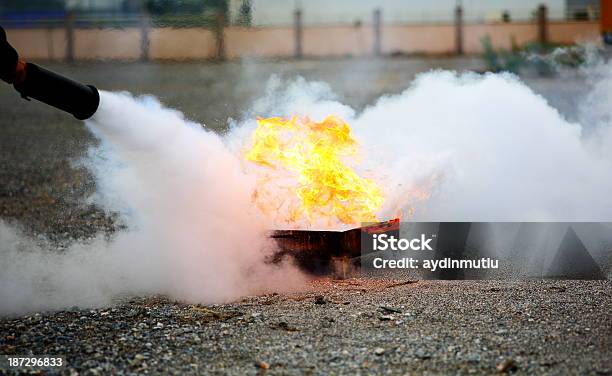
x,y
506,365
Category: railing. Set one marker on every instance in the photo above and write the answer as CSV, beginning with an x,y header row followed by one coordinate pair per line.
x,y
208,36
104,20
120,19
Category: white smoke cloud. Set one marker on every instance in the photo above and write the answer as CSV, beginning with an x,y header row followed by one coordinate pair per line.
x,y
193,232
473,147
452,147
495,151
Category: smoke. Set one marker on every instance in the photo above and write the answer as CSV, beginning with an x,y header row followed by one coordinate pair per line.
x,y
449,148
474,147
488,149
193,233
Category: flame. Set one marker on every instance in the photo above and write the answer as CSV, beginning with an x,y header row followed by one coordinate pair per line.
x,y
315,153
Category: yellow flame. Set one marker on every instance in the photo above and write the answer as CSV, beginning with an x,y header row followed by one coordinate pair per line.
x,y
315,152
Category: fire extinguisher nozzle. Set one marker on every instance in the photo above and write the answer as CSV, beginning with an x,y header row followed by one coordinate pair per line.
x,y
58,91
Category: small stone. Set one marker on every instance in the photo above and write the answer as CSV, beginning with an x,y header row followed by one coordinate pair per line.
x,y
422,354
507,365
138,358
132,313
320,299
262,365
379,351
390,309
285,326
385,318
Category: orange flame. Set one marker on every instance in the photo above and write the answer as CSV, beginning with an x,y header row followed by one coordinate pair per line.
x,y
316,153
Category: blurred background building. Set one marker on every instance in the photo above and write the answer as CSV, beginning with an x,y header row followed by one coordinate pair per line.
x,y
279,12
205,29
582,9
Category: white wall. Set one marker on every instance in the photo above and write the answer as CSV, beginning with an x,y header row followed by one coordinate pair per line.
x,y
280,12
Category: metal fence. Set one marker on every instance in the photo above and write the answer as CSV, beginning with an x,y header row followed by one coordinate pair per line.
x,y
104,20
281,17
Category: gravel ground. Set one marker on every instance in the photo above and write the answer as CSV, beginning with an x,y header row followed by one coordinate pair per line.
x,y
337,327
351,326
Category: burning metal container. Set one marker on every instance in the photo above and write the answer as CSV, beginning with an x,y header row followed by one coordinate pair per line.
x,y
328,252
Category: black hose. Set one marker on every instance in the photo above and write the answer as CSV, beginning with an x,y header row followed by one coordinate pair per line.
x,y
32,81
58,91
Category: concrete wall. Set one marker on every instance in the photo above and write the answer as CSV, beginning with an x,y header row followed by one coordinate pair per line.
x,y
501,35
259,42
99,44
571,32
337,41
46,44
319,41
181,44
428,39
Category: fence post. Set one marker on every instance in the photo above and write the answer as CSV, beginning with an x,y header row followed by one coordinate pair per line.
x,y
69,36
542,24
459,30
376,24
144,35
220,35
297,31
50,49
